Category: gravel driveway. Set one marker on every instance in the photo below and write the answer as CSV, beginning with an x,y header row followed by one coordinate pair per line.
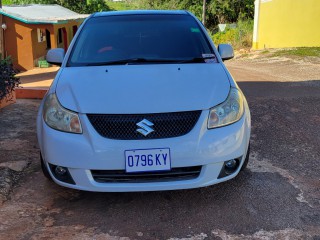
x,y
277,197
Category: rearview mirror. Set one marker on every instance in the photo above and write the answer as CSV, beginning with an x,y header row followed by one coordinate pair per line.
x,y
225,51
55,56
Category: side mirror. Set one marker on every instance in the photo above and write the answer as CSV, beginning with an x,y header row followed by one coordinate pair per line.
x,y
225,51
55,56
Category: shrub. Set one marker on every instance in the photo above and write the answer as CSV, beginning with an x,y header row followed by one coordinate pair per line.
x,y
8,80
239,37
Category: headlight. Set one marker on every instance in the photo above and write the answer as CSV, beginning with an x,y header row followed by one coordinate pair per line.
x,y
60,118
227,112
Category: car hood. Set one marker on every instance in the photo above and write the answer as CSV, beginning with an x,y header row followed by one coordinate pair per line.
x,y
134,89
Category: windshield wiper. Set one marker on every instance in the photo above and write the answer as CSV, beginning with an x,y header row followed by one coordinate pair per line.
x,y
133,61
146,60
199,59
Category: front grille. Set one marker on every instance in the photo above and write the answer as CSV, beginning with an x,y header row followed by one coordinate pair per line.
x,y
120,176
124,126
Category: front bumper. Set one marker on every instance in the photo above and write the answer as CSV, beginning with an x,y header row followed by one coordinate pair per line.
x,y
81,153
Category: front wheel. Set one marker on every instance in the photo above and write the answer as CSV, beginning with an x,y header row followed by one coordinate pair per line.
x,y
44,169
246,159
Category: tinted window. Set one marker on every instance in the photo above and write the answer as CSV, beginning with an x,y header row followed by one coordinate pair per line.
x,y
162,37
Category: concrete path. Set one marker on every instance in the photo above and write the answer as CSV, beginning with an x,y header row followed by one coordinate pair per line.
x,y
38,77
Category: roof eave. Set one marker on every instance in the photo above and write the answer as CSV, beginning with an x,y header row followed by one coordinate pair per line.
x,y
32,21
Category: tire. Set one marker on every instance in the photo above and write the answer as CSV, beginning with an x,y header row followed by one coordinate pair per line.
x,y
44,169
244,166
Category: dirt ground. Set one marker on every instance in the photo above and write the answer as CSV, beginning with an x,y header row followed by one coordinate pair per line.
x,y
277,197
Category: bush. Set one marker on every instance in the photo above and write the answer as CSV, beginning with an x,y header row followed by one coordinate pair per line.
x,y
121,5
6,2
239,37
218,11
8,81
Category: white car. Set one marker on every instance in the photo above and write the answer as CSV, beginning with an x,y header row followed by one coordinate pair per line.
x,y
142,102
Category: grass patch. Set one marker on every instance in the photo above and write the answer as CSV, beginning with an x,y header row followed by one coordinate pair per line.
x,y
245,55
300,52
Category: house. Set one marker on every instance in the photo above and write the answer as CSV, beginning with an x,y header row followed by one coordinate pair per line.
x,y
29,31
286,23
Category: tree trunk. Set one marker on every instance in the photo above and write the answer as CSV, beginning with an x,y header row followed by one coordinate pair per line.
x,y
204,12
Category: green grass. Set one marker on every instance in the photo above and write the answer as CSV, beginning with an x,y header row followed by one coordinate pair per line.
x,y
119,6
245,55
299,52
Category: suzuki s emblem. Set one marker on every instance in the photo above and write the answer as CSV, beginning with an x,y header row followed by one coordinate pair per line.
x,y
145,127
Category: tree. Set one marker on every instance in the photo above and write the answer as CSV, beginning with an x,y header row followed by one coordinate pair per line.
x,y
227,11
217,11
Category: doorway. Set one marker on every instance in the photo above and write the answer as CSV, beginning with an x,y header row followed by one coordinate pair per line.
x,y
48,38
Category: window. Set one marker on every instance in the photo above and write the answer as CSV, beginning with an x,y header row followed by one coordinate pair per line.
x,y
161,37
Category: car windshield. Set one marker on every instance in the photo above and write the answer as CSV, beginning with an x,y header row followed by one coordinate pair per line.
x,y
140,39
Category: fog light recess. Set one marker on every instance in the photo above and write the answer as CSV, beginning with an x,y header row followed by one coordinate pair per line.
x,y
61,173
229,167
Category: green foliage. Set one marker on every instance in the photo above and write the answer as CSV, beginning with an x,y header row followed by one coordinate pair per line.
x,y
120,6
229,11
194,6
79,6
6,2
228,36
8,81
239,37
218,11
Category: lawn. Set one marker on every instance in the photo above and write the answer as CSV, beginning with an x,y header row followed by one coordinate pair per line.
x,y
300,52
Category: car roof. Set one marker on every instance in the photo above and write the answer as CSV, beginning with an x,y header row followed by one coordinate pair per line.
x,y
140,12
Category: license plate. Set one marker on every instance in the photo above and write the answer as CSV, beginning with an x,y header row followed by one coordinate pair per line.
x,y
148,160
